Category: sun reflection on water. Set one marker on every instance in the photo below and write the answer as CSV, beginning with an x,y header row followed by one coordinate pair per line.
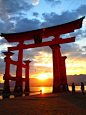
x,y
42,90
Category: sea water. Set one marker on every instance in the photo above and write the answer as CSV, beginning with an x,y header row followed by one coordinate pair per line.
x,y
38,90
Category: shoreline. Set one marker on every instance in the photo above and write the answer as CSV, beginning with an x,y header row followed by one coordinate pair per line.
x,y
45,104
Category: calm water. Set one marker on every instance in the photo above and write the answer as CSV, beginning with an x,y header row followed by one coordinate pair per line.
x,y
36,90
50,89
77,88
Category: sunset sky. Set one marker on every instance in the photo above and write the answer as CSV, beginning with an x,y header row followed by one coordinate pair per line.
x,y
26,15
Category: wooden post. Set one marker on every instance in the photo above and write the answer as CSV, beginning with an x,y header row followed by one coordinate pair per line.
x,y
6,76
56,68
27,76
19,81
64,76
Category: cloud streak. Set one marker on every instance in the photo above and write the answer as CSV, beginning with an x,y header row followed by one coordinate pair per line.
x,y
54,2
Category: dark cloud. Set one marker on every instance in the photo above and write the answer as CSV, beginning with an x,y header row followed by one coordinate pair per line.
x,y
2,64
15,55
84,47
44,49
3,41
81,10
58,2
68,48
29,54
77,56
27,25
73,51
2,54
11,7
2,69
78,34
54,2
51,19
7,27
17,24
35,14
12,11
16,18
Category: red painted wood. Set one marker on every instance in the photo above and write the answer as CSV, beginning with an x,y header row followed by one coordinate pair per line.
x,y
54,41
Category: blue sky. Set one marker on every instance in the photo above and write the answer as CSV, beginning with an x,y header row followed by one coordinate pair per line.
x,y
25,15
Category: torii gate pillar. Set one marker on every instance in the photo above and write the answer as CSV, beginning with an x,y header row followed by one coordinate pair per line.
x,y
7,72
27,76
64,76
19,81
56,69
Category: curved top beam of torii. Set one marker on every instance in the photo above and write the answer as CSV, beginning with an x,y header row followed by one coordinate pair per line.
x,y
45,32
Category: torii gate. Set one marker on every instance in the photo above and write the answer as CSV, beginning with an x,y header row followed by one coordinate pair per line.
x,y
59,67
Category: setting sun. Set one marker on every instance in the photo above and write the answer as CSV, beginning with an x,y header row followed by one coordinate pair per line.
x,y
43,76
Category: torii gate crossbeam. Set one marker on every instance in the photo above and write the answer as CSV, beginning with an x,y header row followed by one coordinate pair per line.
x,y
54,41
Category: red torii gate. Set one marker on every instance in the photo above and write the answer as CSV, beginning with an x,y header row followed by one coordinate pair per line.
x,y
59,68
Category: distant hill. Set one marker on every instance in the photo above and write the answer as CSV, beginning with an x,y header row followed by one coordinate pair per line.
x,y
34,82
77,79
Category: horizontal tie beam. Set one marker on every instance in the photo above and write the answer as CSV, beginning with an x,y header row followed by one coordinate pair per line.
x,y
53,42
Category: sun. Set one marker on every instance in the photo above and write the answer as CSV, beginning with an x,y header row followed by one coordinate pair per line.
x,y
42,76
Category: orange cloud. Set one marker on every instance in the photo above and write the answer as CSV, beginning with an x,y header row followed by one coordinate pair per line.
x,y
1,78
75,67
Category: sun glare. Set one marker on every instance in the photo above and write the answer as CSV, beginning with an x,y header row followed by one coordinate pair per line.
x,y
35,2
42,76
